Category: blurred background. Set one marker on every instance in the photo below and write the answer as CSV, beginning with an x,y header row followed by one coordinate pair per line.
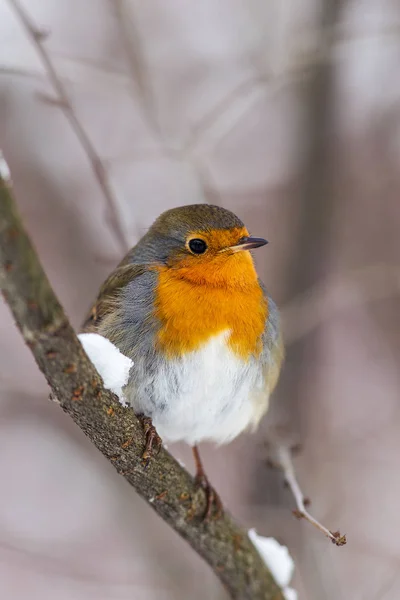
x,y
287,113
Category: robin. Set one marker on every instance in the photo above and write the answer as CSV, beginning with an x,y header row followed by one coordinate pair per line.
x,y
187,306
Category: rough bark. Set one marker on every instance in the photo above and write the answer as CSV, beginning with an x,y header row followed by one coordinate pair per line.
x,y
113,429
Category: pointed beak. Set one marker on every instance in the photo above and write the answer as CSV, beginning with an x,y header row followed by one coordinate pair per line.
x,y
249,243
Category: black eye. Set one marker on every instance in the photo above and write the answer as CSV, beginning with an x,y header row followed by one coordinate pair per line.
x,y
197,246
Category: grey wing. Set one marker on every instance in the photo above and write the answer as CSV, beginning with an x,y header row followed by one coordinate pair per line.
x,y
112,290
108,295
123,309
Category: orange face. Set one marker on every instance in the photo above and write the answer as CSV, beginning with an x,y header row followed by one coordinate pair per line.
x,y
222,263
202,294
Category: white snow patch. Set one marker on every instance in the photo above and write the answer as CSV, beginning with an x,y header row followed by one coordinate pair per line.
x,y
4,170
290,593
112,365
278,560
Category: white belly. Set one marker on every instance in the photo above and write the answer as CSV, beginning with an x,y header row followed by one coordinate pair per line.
x,y
210,394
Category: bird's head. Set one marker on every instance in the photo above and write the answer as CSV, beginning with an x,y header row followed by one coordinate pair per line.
x,y
203,244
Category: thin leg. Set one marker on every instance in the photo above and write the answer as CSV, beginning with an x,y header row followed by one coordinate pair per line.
x,y
212,497
153,440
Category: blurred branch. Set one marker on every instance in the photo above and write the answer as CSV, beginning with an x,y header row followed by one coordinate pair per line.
x,y
315,198
38,36
316,189
114,430
306,311
139,77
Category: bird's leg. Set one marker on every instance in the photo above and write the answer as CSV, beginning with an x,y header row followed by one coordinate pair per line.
x,y
153,440
201,480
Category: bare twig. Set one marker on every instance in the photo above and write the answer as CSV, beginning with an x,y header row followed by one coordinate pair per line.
x,y
284,461
113,429
62,100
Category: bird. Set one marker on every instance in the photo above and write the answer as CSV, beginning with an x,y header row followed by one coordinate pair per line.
x,y
186,305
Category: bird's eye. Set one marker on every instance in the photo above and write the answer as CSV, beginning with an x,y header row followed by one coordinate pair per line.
x,y
197,246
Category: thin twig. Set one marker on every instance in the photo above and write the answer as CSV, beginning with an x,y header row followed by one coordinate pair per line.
x,y
37,36
112,428
284,461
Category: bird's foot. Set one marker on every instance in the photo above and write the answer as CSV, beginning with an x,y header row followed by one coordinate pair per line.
x,y
153,440
213,501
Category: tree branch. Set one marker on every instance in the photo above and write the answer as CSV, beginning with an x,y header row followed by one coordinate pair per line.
x,y
62,100
113,429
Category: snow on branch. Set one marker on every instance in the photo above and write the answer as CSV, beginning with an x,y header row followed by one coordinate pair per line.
x,y
278,560
111,364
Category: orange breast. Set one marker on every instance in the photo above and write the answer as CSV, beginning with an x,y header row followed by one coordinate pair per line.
x,y
193,307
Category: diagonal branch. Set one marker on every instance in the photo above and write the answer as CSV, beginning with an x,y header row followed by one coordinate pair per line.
x,y
37,36
113,429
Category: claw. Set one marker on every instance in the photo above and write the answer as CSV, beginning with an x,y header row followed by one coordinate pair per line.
x,y
153,440
212,498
